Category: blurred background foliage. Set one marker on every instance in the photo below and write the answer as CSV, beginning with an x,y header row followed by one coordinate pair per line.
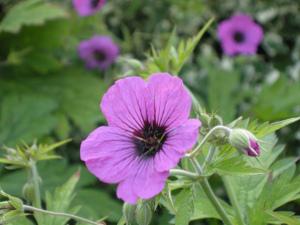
x,y
46,93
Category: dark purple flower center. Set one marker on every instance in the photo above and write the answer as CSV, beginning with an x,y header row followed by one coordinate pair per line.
x,y
100,56
239,37
94,3
149,140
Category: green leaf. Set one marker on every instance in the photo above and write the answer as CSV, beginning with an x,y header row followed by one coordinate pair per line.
x,y
285,217
171,59
30,12
223,99
266,128
235,166
21,220
23,118
98,204
268,106
60,201
184,207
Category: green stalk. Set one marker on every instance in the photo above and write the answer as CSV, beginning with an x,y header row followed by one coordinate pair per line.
x,y
78,218
219,127
184,173
35,179
210,194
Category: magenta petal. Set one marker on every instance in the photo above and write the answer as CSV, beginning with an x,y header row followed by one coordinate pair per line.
x,y
184,137
109,154
167,158
104,142
125,191
147,181
124,104
170,102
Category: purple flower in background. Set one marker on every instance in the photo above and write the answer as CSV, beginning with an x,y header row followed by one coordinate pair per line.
x,y
87,7
98,52
148,133
240,35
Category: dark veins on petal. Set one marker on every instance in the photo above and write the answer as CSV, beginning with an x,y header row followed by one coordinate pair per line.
x,y
239,37
100,56
94,3
149,139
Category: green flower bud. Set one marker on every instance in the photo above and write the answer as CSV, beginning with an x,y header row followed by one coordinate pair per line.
x,y
215,120
245,142
129,213
28,191
144,214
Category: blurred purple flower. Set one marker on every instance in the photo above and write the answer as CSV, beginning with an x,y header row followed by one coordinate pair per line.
x,y
87,7
240,35
148,133
98,52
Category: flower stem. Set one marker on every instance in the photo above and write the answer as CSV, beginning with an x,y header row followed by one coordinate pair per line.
x,y
210,194
214,200
219,127
209,157
78,218
184,173
36,186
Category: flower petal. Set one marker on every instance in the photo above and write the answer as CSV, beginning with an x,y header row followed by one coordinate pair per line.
x,y
170,103
184,137
147,181
124,104
104,142
125,191
109,154
167,158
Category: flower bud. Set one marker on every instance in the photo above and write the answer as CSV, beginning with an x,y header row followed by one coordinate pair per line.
x,y
245,142
129,213
215,120
144,214
28,191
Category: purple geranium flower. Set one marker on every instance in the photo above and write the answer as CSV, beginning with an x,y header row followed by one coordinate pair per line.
x,y
148,133
87,7
240,35
98,52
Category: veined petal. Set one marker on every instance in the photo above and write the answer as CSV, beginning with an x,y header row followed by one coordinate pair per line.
x,y
125,191
109,154
147,182
170,103
124,105
167,158
184,137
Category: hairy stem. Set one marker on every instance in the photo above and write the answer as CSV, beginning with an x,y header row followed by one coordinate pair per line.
x,y
195,151
209,157
210,194
184,173
35,180
78,218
